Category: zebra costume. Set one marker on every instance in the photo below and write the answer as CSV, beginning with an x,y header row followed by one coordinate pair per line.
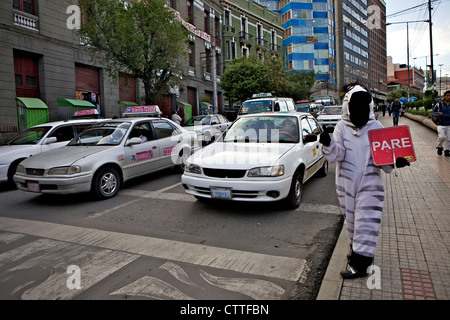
x,y
359,183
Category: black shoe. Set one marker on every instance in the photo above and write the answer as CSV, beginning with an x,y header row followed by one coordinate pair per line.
x,y
439,151
447,153
351,273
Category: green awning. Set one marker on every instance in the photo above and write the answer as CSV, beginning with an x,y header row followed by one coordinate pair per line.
x,y
183,103
127,103
74,103
32,103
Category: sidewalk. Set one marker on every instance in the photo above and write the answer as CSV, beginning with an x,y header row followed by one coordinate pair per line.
x,y
412,258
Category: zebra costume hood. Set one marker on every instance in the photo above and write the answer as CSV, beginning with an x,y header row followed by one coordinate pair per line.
x,y
359,184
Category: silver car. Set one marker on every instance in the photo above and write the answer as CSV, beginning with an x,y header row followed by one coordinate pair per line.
x,y
37,139
106,155
330,116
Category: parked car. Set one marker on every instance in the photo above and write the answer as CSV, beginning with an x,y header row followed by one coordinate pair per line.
x,y
208,127
37,139
264,157
106,155
265,102
330,116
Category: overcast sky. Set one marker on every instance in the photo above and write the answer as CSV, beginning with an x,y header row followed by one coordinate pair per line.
x,y
419,34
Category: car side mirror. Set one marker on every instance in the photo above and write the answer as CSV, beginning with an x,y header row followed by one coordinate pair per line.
x,y
134,141
309,138
50,140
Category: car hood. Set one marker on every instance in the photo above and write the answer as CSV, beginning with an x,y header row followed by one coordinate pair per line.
x,y
220,155
7,151
61,157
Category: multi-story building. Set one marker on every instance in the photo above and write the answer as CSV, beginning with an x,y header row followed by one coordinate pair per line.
x,y
397,77
250,30
377,52
41,56
310,40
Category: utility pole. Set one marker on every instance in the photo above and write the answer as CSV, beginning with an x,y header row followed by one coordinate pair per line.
x,y
431,43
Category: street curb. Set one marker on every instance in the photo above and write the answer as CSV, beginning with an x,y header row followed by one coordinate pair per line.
x,y
422,119
331,286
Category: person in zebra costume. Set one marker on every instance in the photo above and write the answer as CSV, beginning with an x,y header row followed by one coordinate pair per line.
x,y
359,183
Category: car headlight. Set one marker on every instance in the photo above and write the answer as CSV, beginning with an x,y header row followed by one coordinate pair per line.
x,y
65,170
192,168
275,171
20,169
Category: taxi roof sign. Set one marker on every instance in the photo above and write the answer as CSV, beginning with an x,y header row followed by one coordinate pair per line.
x,y
136,111
86,113
262,95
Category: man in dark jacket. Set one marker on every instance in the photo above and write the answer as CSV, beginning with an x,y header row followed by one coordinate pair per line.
x,y
442,110
396,109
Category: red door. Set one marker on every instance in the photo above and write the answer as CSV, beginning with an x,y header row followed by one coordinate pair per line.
x,y
27,75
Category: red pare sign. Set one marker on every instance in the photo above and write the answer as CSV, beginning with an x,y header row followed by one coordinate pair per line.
x,y
387,142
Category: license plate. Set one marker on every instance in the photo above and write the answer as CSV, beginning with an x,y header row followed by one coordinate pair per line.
x,y
33,187
221,193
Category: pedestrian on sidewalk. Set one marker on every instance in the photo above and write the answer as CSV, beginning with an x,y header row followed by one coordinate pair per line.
x,y
359,184
396,109
442,110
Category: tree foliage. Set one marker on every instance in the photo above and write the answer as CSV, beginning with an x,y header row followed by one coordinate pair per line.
x,y
140,38
247,76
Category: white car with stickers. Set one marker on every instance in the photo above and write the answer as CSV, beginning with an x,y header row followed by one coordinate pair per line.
x,y
208,127
264,157
37,139
106,155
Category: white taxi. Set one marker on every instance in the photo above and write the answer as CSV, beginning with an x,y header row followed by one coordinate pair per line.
x,y
105,155
37,139
208,127
263,157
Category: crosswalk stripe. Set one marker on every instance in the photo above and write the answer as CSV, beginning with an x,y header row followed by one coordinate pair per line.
x,y
286,268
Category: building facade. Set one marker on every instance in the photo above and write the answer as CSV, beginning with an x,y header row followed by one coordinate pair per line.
x,y
42,56
377,52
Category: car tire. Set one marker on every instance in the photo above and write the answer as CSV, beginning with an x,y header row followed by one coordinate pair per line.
x,y
106,183
183,156
12,171
323,172
294,197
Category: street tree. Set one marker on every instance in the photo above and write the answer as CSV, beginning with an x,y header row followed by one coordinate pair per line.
x,y
244,77
140,38
301,83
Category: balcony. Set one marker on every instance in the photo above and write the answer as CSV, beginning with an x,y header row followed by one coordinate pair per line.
x,y
26,20
246,38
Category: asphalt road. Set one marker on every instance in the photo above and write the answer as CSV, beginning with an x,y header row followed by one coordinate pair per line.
x,y
153,241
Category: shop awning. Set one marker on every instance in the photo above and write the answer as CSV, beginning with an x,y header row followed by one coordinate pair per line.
x,y
74,103
32,103
183,103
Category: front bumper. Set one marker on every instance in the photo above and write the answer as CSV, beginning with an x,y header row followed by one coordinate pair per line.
x,y
241,190
55,185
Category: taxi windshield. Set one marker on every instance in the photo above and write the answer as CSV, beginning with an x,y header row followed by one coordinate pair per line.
x,y
101,134
30,136
263,129
257,106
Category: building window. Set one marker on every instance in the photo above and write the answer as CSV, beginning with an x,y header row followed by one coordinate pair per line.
x,y
192,54
24,5
190,11
207,24
208,61
26,74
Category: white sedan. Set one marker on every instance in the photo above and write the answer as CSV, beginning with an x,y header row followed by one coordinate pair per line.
x,y
263,157
106,155
208,127
37,139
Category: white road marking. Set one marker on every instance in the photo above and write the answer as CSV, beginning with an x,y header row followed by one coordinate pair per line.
x,y
152,288
178,273
286,268
254,288
48,260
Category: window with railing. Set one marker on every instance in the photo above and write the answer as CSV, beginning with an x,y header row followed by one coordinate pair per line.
x,y
24,5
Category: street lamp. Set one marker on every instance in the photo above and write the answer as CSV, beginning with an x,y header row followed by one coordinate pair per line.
x,y
426,64
440,79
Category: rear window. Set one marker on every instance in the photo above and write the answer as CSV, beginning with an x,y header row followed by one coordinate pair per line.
x,y
258,106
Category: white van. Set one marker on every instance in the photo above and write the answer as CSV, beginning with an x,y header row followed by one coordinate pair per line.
x,y
265,102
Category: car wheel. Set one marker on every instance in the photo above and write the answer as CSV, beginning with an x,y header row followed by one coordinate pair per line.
x,y
324,170
106,183
294,198
183,156
11,172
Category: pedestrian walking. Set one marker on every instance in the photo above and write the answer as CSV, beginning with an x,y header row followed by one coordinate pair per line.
x,y
442,110
359,184
383,109
396,109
